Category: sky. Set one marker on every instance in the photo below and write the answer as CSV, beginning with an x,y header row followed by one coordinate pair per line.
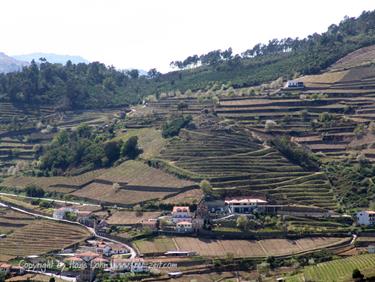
x,y
145,34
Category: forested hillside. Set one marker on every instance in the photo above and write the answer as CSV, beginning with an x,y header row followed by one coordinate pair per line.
x,y
95,85
71,86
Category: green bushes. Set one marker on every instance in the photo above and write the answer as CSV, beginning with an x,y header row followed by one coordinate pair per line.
x,y
353,183
34,191
85,149
130,148
296,154
173,126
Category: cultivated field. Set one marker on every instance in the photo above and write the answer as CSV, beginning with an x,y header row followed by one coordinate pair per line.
x,y
137,173
130,217
336,270
185,198
149,139
232,160
357,58
137,182
11,220
239,248
41,236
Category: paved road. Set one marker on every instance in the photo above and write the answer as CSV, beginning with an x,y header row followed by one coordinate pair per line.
x,y
133,253
50,200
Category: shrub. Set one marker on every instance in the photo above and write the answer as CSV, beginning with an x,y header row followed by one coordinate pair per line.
x,y
173,126
357,275
270,125
130,148
206,187
242,222
34,191
112,151
296,154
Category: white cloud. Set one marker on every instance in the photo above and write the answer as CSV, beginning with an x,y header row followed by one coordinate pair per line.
x,y
151,33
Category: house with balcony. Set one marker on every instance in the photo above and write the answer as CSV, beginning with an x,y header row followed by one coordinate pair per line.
x,y
181,213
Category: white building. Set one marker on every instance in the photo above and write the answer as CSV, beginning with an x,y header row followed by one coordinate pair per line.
x,y
366,217
293,84
243,204
184,227
60,213
371,249
181,214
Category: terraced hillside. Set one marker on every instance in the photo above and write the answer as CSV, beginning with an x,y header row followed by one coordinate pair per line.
x,y
331,115
238,248
24,131
127,184
233,162
336,270
30,236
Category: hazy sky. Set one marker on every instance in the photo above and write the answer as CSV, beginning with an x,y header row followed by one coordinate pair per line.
x,y
151,33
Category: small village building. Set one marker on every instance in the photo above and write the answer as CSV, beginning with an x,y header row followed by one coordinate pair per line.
x,y
371,249
213,206
197,223
102,227
243,204
5,268
84,217
100,263
102,248
75,262
293,84
17,269
175,274
117,249
181,214
60,213
366,217
184,227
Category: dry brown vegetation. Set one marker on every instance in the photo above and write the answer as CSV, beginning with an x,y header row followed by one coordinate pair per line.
x,y
41,236
238,248
130,217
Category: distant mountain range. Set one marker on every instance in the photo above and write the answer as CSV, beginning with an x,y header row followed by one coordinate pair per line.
x,y
15,63
52,58
9,64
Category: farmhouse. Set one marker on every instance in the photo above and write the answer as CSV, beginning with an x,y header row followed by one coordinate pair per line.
x,y
366,217
181,214
243,204
293,84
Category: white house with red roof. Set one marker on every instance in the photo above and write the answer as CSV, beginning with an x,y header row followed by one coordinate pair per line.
x,y
181,213
366,217
243,204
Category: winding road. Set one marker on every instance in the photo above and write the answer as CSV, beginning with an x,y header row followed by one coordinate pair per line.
x,y
132,252
49,200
